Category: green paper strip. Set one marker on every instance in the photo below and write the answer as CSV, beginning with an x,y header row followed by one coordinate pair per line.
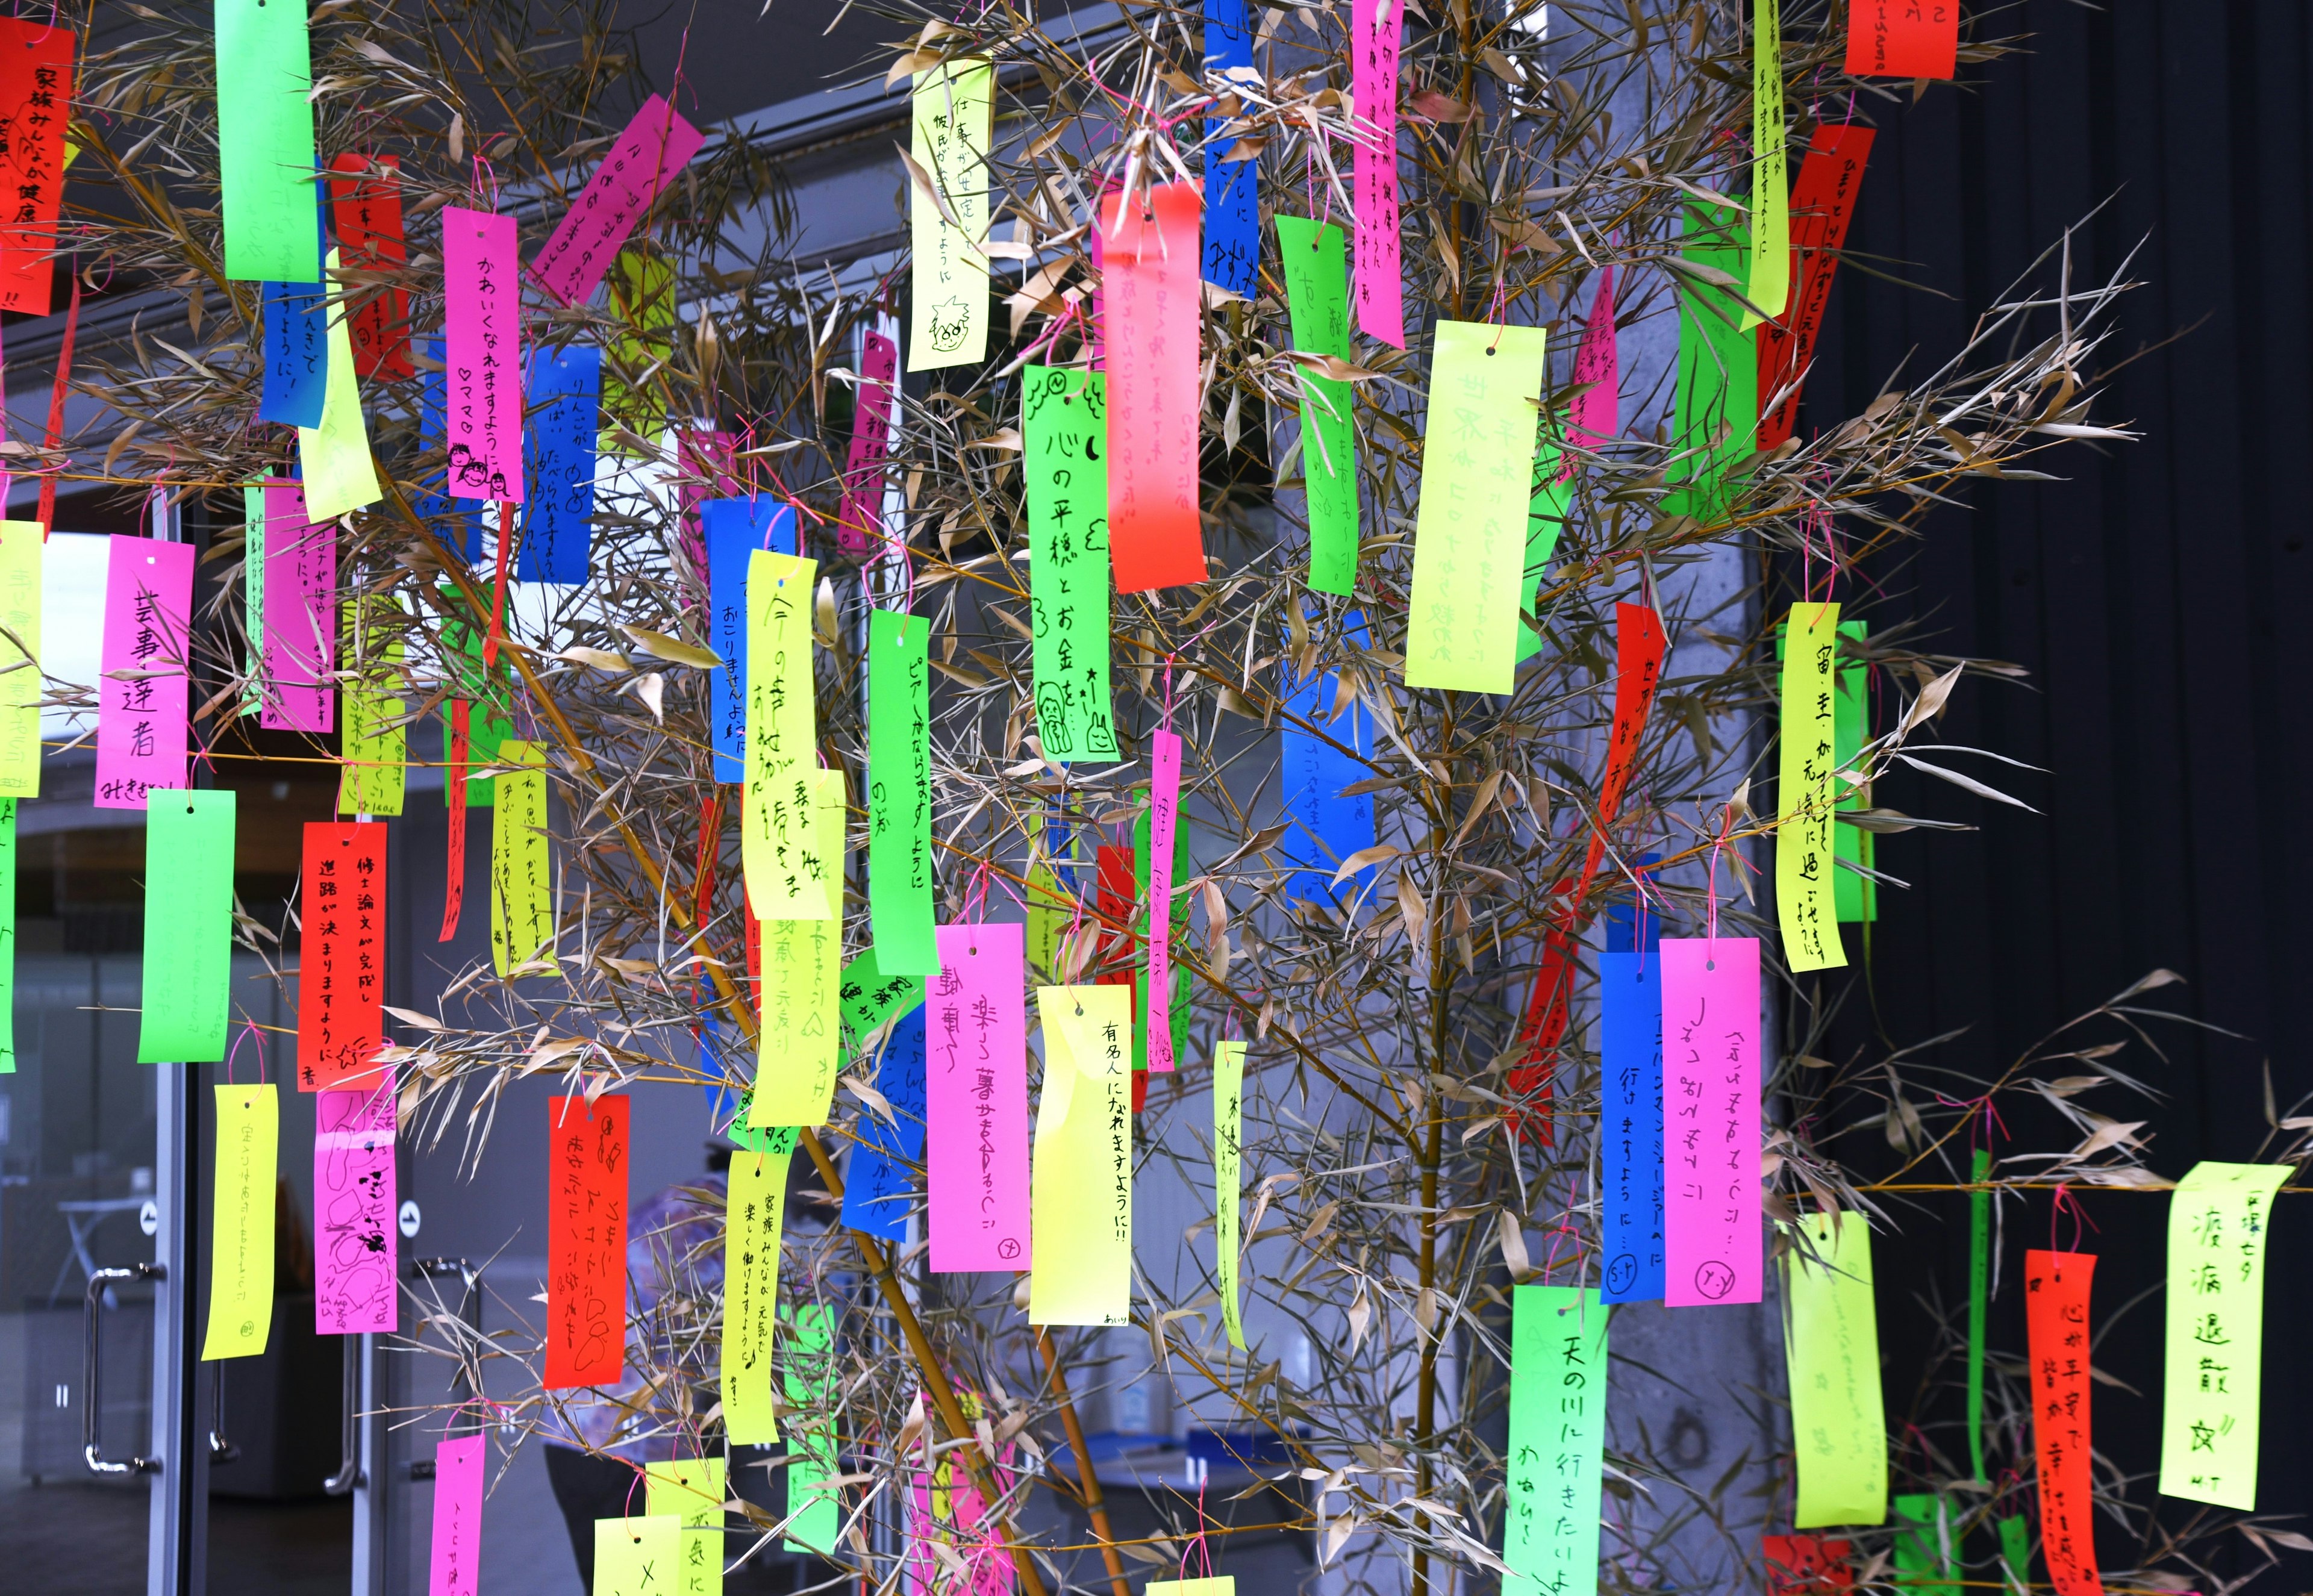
x,y
1831,1357
265,142
1558,1431
874,996
1718,397
1979,1281
1316,259
1805,793
8,936
1477,489
2215,1367
1228,1176
1924,1549
490,694
1770,180
189,839
2015,1552
1064,463
816,1515
1176,1009
20,545
1857,900
1545,522
900,793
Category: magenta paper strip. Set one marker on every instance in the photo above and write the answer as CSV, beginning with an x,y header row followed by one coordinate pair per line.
x,y
1152,288
976,1108
862,515
482,338
354,1261
457,1517
1713,1248
704,461
1598,415
141,719
945,1507
1374,37
301,614
656,145
1164,811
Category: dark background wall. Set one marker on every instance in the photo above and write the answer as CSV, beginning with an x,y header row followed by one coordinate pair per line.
x,y
2158,597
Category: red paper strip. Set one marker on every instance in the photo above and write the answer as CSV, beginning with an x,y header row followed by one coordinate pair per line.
x,y
585,1241
1902,38
2057,1331
36,81
655,145
1822,204
861,517
1806,1565
454,884
341,964
367,206
1152,288
1376,32
1112,907
55,436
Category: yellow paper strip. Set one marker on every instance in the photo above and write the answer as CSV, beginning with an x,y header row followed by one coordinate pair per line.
x,y
2218,1217
1831,1356
1080,1194
799,1045
1469,534
340,474
1804,894
755,1217
522,880
20,688
636,1557
373,774
947,293
241,1232
690,1489
1228,1141
787,875
1769,287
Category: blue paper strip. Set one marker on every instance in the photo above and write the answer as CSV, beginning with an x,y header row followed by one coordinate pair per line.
x,y
1631,1125
565,402
1232,254
733,530
1633,927
1311,774
429,502
297,354
879,1188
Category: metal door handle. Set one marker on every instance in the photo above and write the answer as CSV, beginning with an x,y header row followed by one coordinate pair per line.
x,y
92,1368
349,1475
221,1447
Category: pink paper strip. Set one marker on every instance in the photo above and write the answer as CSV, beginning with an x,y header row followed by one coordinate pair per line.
x,y
656,145
1598,415
1152,293
1713,1250
1164,810
1376,30
301,614
482,338
861,517
976,1102
949,1508
1095,356
141,723
457,1517
705,461
354,1261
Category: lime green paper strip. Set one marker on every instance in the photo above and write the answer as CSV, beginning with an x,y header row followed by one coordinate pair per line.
x,y
900,792
522,882
341,475
1228,1144
1923,1547
815,1515
265,142
2218,1217
20,686
253,588
8,936
787,879
1716,418
1979,1282
1220,1585
487,727
1558,1431
1064,462
1831,1356
1176,1006
2016,1553
1851,716
1771,182
874,996
690,1489
1469,535
1805,791
799,1043
1316,259
374,746
189,839
241,1229
636,1557
755,1217
1080,1186
947,297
